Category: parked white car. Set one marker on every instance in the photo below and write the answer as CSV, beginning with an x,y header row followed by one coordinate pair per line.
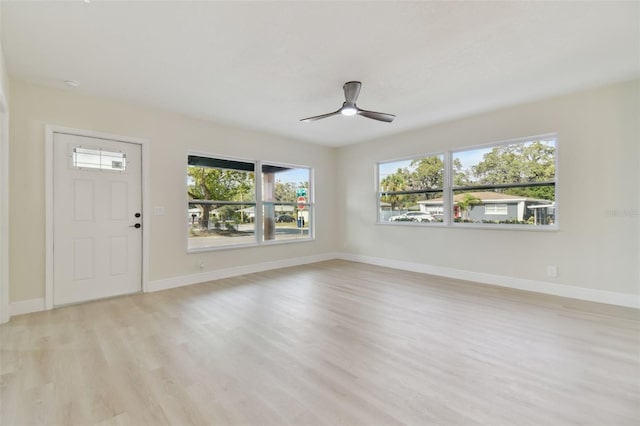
x,y
412,217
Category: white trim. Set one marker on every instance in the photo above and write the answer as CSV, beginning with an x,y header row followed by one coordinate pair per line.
x,y
573,292
184,280
5,314
146,210
447,191
48,177
27,306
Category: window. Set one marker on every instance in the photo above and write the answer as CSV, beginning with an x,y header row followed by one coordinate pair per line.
x,y
98,159
510,183
230,205
498,209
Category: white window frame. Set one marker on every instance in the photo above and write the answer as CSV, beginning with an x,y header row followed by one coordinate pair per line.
x,y
448,220
259,203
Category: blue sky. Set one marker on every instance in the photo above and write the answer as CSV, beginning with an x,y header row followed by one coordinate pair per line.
x,y
293,175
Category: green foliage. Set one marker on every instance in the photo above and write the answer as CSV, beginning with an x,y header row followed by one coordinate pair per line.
x,y
286,192
519,163
220,185
428,173
460,178
466,203
396,182
228,213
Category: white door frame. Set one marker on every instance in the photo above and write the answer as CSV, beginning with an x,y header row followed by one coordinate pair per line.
x,y
146,211
4,207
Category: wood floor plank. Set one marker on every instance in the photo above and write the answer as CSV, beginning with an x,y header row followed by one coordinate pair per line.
x,y
332,343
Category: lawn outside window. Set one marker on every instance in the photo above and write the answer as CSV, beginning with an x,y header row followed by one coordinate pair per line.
x,y
511,184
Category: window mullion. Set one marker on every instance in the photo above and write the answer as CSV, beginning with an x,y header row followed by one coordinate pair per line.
x,y
259,231
447,194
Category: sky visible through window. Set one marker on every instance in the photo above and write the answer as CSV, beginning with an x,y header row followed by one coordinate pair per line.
x,y
295,176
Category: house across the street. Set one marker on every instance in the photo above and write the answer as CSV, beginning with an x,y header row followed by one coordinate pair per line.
x,y
496,207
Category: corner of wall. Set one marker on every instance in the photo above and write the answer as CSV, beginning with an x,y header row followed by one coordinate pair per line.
x,y
4,189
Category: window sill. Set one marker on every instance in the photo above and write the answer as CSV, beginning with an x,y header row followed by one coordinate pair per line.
x,y
505,227
249,245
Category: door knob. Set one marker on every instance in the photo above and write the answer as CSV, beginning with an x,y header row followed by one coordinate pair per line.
x,y
137,225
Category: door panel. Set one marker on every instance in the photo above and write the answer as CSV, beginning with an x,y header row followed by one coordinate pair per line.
x,y
82,259
82,191
119,257
97,191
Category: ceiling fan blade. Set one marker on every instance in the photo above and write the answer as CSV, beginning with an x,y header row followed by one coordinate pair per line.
x,y
351,91
320,117
380,116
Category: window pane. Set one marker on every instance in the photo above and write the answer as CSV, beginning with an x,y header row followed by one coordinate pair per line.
x,y
510,184
511,206
521,162
286,202
406,189
98,159
221,207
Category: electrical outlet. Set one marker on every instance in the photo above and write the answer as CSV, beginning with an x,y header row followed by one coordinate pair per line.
x,y
552,271
202,264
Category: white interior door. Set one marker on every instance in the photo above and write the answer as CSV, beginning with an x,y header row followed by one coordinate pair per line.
x,y
97,218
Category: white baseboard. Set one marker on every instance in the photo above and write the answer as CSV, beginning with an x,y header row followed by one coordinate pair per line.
x,y
26,307
180,281
573,292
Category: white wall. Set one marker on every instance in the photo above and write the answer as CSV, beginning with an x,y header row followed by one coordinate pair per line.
x,y
4,188
170,136
597,246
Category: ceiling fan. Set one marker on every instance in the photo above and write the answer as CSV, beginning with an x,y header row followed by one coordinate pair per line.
x,y
349,107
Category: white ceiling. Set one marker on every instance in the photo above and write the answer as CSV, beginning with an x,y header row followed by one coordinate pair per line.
x,y
266,65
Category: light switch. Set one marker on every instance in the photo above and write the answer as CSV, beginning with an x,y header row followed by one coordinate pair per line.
x,y
158,211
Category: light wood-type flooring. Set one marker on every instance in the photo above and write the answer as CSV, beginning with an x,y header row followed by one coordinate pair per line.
x,y
332,343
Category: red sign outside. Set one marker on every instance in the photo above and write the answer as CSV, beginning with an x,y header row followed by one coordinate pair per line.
x,y
301,201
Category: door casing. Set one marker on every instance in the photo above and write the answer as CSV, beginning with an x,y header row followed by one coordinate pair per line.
x,y
4,207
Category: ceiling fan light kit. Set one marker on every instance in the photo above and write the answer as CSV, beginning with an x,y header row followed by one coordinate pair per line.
x,y
349,107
